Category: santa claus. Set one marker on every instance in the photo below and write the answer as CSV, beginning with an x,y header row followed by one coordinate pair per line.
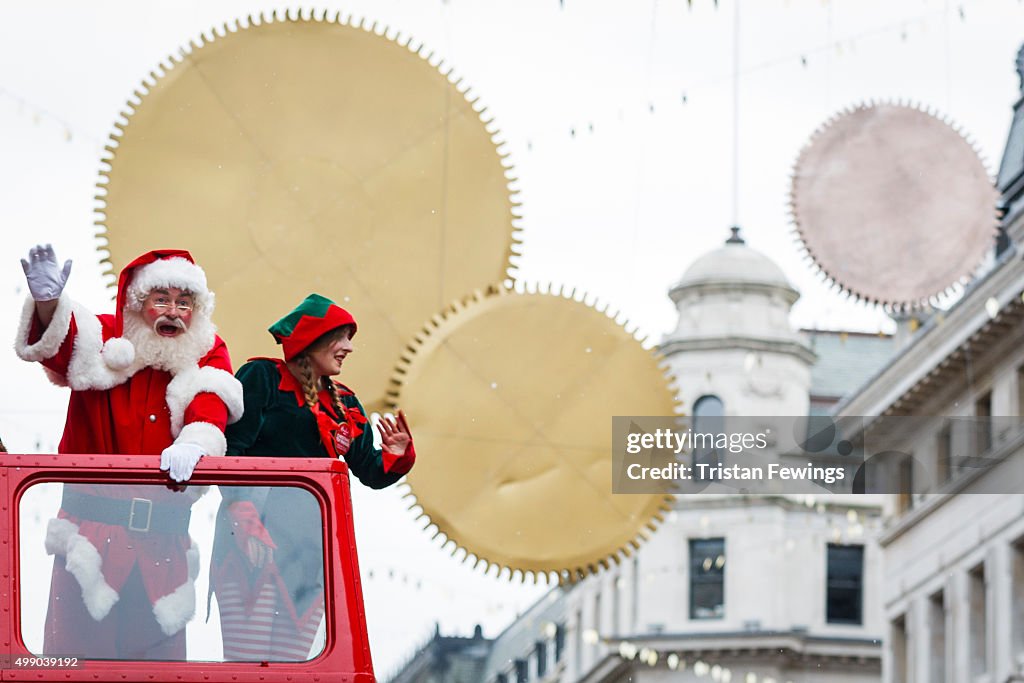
x,y
152,378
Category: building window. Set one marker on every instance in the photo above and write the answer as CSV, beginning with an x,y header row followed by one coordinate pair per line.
x,y
707,578
937,637
983,424
501,678
709,409
845,591
944,454
522,671
541,651
708,418
977,618
559,642
905,484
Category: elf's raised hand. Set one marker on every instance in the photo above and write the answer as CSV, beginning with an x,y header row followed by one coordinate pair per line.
x,y
395,436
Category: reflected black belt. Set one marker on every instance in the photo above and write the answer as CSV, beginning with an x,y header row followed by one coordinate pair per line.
x,y
136,514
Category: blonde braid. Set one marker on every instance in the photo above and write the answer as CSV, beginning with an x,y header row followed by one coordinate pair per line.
x,y
332,389
308,381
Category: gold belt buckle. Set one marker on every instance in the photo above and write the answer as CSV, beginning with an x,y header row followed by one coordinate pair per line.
x,y
134,511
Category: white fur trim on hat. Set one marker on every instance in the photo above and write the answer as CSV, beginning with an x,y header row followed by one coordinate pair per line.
x,y
83,561
188,383
174,272
118,353
52,338
173,611
207,436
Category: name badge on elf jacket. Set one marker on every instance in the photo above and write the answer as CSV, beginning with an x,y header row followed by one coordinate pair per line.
x,y
342,439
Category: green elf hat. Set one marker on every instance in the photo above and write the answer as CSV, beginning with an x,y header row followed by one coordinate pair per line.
x,y
315,316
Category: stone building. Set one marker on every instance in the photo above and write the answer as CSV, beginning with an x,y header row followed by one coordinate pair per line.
x,y
953,540
786,588
780,588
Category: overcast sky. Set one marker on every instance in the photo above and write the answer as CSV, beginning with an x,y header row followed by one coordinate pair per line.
x,y
618,118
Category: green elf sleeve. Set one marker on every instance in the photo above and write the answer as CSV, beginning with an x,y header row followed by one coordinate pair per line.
x,y
259,380
242,505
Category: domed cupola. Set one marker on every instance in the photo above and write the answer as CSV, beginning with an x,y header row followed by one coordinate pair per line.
x,y
733,264
733,339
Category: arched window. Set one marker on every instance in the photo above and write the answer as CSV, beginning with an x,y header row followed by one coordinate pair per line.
x,y
708,407
708,418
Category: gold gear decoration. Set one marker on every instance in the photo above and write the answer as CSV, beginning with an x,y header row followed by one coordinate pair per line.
x,y
512,396
894,205
297,153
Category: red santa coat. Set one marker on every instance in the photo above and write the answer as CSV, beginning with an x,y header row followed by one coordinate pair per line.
x,y
120,408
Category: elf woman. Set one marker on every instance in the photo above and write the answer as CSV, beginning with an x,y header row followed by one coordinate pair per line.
x,y
267,566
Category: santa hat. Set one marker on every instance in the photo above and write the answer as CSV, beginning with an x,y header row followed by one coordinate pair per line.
x,y
315,316
161,268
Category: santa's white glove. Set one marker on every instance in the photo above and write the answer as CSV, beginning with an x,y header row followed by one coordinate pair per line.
x,y
179,459
45,279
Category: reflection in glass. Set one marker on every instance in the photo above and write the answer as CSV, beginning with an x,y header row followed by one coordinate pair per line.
x,y
707,578
268,573
121,572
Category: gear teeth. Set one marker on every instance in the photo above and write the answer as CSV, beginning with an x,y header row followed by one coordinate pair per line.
x,y
150,81
938,300
431,333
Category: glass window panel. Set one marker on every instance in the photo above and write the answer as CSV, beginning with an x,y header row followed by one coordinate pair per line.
x,y
845,584
707,578
125,570
522,671
708,418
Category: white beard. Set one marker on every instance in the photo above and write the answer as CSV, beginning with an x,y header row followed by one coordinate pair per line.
x,y
172,354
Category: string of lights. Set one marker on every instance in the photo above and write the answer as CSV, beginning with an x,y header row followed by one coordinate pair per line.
x,y
39,115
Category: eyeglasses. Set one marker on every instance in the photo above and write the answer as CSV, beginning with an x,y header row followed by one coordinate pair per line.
x,y
164,305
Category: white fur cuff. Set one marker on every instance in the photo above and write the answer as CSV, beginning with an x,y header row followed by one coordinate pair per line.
x,y
175,610
207,436
188,383
83,561
54,335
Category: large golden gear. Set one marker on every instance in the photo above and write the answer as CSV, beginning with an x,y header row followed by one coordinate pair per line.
x,y
298,153
894,205
512,396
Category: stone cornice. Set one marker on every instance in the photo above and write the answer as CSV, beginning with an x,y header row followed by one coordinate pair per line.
x,y
730,501
787,293
1009,448
673,346
790,645
942,341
